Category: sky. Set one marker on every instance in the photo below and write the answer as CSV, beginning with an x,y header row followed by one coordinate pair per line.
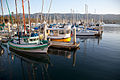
x,y
65,6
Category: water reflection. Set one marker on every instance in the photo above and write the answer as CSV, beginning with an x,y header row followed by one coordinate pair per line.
x,y
1,51
33,62
65,53
89,38
74,58
97,57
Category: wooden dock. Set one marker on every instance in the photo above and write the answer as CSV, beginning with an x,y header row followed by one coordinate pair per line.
x,y
64,45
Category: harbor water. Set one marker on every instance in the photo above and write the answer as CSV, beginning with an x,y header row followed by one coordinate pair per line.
x,y
97,59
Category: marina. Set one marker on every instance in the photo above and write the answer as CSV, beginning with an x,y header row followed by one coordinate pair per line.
x,y
82,44
95,59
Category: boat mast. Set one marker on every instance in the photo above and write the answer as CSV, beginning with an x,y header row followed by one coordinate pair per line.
x,y
54,18
2,11
42,10
95,17
49,9
10,17
24,17
50,19
2,15
29,17
86,12
73,17
17,20
37,19
71,20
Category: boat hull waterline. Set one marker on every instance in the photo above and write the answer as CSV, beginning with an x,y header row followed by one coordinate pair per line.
x,y
31,48
62,40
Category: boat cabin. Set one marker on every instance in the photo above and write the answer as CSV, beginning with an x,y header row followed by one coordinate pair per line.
x,y
59,32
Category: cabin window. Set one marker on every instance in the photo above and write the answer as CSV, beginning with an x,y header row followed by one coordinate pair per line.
x,y
68,31
61,32
47,31
36,39
55,32
31,40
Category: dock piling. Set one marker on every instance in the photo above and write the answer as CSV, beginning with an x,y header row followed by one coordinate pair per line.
x,y
45,34
74,35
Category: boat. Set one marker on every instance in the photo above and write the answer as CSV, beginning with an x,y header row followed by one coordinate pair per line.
x,y
61,34
86,33
29,44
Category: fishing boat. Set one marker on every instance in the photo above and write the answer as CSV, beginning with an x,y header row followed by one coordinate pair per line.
x,y
62,34
29,44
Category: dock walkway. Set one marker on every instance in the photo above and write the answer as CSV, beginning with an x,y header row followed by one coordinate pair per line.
x,y
64,45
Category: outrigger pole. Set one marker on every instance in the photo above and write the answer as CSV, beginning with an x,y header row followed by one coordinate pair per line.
x,y
9,11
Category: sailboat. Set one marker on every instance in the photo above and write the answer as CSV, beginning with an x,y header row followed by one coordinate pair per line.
x,y
85,31
31,44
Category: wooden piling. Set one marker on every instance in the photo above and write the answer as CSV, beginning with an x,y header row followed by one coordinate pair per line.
x,y
45,28
74,35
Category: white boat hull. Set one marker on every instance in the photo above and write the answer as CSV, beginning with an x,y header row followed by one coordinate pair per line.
x,y
31,51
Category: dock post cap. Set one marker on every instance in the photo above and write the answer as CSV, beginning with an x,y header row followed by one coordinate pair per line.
x,y
44,22
74,27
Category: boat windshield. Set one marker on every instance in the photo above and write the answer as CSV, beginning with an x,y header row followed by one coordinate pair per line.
x,y
34,34
61,32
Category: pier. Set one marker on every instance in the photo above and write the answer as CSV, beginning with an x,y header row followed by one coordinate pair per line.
x,y
64,45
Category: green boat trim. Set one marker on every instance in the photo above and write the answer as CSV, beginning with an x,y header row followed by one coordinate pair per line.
x,y
42,46
43,41
28,48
